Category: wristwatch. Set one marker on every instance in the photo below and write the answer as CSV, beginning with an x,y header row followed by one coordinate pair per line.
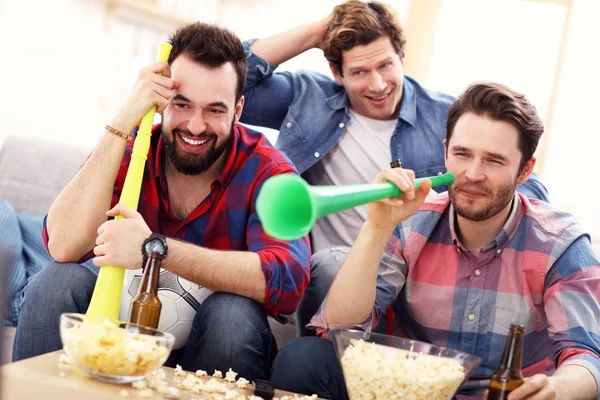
x,y
156,243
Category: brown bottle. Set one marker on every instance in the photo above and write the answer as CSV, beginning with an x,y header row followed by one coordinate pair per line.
x,y
508,376
145,306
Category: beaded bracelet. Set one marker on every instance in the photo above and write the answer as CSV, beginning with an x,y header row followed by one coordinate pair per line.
x,y
118,133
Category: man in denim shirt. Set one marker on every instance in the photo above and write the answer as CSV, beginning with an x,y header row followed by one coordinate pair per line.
x,y
344,131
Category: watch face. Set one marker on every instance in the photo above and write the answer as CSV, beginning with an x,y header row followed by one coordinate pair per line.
x,y
154,245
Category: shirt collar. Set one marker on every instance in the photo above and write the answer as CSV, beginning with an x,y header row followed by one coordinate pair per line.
x,y
503,237
408,103
228,168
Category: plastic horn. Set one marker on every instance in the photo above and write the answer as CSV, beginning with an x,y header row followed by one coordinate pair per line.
x,y
106,298
288,206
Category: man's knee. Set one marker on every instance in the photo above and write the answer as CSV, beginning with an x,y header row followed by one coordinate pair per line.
x,y
326,263
227,317
303,359
57,285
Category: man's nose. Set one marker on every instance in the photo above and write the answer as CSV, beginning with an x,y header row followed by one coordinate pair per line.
x,y
196,124
377,83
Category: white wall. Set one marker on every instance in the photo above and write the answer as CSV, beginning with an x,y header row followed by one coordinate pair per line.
x,y
570,168
66,69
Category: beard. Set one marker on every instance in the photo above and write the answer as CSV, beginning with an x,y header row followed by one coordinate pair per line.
x,y
498,201
195,164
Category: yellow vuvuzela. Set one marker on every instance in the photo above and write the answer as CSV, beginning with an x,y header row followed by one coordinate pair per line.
x,y
107,292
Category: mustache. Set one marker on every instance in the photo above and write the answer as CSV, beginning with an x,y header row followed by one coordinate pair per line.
x,y
472,187
186,132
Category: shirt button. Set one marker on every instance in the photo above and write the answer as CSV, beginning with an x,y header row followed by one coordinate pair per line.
x,y
288,125
498,251
477,272
317,154
471,317
341,125
440,173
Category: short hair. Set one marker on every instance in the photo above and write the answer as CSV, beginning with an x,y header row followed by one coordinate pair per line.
x,y
355,23
212,46
500,103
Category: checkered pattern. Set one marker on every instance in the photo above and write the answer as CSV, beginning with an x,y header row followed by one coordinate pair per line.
x,y
226,219
539,271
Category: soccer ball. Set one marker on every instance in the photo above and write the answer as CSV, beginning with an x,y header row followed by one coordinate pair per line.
x,y
180,300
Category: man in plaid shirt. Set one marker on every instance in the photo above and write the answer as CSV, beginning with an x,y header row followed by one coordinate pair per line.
x,y
468,264
202,177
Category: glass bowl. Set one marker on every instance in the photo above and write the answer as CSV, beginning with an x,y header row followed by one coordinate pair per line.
x,y
379,366
114,352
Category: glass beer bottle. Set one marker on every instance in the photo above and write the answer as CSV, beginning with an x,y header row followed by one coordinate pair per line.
x,y
508,376
145,306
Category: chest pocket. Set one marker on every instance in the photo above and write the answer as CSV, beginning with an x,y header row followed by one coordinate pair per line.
x,y
290,134
499,326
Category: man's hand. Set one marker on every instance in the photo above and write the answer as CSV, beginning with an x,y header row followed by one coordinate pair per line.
x,y
536,387
390,212
119,242
151,89
320,29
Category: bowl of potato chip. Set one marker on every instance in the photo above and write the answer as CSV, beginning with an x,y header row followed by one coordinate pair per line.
x,y
377,366
116,352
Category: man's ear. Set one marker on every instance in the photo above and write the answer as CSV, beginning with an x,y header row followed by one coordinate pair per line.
x,y
239,107
527,170
336,74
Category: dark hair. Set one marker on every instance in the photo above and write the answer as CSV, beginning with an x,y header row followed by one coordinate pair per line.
x,y
212,46
355,23
500,103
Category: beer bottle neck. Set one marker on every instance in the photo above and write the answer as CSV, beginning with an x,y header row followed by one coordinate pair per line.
x,y
512,358
151,274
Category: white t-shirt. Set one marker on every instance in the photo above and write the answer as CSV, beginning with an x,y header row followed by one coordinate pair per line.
x,y
362,151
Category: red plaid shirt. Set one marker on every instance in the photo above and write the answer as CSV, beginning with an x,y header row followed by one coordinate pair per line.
x,y
226,219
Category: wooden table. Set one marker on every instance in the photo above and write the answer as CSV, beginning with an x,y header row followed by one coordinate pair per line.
x,y
43,378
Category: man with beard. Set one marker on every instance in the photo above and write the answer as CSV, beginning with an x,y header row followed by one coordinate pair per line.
x,y
202,177
468,264
345,130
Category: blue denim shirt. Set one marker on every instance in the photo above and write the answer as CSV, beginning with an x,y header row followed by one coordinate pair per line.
x,y
311,112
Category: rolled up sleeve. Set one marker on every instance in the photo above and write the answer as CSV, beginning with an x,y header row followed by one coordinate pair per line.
x,y
573,309
285,264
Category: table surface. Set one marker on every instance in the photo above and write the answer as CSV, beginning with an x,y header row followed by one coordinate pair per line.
x,y
42,377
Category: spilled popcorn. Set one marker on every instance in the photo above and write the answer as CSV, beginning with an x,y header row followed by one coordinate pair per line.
x,y
230,375
199,383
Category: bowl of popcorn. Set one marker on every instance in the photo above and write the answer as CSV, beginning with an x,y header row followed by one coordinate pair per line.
x,y
379,366
117,352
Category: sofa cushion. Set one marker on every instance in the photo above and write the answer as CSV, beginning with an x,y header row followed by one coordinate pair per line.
x,y
33,171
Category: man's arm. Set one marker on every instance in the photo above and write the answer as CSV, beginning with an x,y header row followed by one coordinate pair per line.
x,y
572,310
237,272
279,48
352,295
268,94
80,208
